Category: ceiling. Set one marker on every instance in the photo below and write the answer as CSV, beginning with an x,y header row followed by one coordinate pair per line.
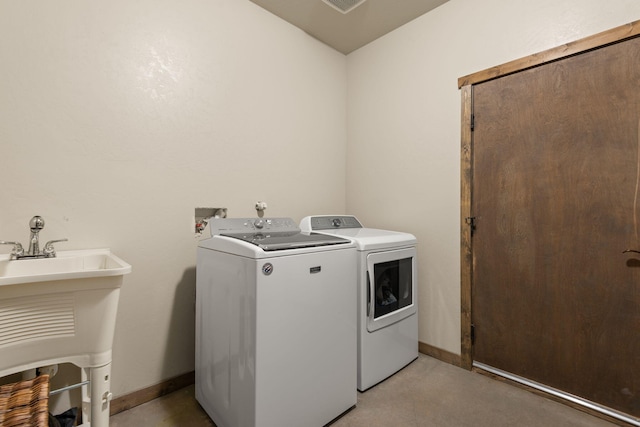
x,y
348,32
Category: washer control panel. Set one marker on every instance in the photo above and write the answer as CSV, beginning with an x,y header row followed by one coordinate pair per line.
x,y
330,222
251,225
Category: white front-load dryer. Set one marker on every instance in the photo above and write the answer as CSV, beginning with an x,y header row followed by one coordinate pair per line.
x,y
387,295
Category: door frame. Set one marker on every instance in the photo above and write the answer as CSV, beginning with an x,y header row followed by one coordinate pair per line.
x,y
465,84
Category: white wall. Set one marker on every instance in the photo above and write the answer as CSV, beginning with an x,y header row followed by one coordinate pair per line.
x,y
403,162
118,118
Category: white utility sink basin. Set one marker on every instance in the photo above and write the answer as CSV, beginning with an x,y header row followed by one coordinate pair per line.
x,y
66,265
59,310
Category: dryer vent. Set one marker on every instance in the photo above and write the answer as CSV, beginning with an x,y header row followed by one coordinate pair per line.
x,y
344,6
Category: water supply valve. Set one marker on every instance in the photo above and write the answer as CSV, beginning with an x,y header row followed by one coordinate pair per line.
x,y
260,208
203,215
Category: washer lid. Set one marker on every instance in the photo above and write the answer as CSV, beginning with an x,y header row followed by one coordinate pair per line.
x,y
281,240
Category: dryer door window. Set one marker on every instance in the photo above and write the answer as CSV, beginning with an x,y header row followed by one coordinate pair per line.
x,y
391,288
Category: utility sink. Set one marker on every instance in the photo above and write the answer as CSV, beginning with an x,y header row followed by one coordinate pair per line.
x,y
66,265
63,310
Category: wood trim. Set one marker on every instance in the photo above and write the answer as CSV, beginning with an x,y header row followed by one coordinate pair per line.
x,y
438,353
595,41
466,260
147,394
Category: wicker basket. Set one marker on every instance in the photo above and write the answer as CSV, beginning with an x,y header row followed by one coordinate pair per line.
x,y
25,403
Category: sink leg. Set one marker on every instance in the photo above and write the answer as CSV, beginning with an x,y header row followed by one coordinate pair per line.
x,y
100,395
96,396
86,395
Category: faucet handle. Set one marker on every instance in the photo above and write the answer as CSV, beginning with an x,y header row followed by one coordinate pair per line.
x,y
49,251
17,250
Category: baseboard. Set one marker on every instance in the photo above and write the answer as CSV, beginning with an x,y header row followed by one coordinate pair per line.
x,y
440,354
147,394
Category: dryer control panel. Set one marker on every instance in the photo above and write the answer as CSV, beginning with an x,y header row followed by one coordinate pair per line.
x,y
330,222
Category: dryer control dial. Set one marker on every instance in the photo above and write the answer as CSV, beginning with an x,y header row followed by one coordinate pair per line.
x,y
336,222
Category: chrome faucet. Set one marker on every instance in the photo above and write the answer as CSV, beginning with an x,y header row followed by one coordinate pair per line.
x,y
36,224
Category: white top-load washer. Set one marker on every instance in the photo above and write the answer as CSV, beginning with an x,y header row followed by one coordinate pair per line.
x,y
275,324
387,295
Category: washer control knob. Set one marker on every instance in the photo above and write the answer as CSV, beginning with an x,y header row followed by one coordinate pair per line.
x,y
258,223
336,222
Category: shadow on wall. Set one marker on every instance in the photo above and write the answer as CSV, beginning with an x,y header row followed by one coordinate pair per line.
x,y
180,350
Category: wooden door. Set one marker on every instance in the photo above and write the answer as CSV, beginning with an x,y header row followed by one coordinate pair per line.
x,y
556,167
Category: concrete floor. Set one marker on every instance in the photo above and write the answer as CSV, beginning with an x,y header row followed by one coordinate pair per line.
x,y
426,393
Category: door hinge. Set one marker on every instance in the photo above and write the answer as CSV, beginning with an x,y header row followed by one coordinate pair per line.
x,y
471,222
473,122
473,334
